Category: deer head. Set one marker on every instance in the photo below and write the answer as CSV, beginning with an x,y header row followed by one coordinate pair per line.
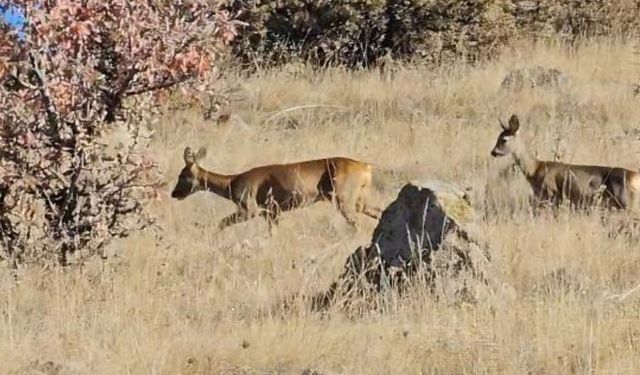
x,y
508,141
188,180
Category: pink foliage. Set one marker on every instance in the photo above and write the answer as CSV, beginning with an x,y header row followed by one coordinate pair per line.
x,y
80,70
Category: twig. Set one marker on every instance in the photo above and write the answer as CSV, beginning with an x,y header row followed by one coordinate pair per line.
x,y
52,112
60,176
279,113
623,296
160,86
149,185
26,84
72,189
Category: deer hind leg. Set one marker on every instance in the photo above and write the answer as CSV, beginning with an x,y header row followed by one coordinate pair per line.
x,y
634,204
633,197
373,212
345,201
364,208
625,222
346,209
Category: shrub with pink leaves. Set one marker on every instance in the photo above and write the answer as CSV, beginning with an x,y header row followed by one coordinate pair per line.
x,y
73,75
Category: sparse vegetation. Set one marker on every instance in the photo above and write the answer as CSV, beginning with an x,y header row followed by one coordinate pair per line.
x,y
204,301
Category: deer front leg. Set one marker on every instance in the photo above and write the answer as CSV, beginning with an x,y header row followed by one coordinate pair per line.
x,y
542,200
273,219
271,212
235,218
537,205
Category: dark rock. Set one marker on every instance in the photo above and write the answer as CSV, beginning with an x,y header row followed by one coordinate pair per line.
x,y
428,232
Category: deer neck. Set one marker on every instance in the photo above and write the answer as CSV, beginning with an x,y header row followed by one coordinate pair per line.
x,y
216,183
527,163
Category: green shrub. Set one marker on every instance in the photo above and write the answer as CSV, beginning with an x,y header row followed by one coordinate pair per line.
x,y
358,32
323,31
439,30
573,20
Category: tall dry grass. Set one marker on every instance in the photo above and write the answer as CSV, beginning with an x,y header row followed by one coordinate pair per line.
x,y
193,300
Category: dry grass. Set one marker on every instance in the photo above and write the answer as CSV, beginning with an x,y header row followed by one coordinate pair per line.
x,y
201,301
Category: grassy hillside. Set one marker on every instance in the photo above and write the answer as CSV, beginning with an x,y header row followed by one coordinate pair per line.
x,y
192,300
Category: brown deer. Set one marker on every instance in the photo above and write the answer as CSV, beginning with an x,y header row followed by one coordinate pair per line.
x,y
268,190
554,182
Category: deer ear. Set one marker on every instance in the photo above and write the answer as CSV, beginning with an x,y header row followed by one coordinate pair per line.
x,y
202,152
502,125
189,158
514,124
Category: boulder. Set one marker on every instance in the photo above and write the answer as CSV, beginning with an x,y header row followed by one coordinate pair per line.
x,y
428,234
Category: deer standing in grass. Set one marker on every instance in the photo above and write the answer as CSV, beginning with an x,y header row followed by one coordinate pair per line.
x,y
553,182
268,190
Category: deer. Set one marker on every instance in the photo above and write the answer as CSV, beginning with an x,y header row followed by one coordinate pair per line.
x,y
553,182
269,190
